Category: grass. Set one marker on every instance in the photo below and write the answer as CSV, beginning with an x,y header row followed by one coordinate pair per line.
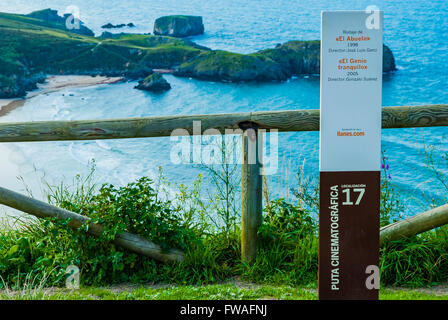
x,y
233,291
396,294
29,288
208,231
418,261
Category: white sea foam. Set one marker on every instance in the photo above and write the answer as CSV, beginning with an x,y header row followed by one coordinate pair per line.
x,y
103,145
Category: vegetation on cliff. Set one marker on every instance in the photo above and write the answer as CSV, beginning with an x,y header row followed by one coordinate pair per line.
x,y
227,66
204,224
30,49
277,64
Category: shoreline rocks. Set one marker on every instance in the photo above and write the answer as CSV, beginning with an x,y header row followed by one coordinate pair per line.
x,y
179,26
17,86
388,60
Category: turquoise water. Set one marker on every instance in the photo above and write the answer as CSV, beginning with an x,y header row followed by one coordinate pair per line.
x,y
416,31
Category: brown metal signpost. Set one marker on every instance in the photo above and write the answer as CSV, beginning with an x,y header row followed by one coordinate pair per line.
x,y
350,148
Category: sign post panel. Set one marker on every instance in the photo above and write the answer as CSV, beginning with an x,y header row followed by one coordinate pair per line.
x,y
350,154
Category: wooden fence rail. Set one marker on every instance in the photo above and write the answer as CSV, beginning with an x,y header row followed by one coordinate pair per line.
x,y
419,223
250,222
245,123
283,121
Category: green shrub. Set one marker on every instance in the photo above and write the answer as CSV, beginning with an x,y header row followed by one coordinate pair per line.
x,y
51,245
283,219
288,246
418,261
288,250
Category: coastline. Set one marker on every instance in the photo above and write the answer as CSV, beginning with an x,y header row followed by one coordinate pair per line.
x,y
55,83
10,165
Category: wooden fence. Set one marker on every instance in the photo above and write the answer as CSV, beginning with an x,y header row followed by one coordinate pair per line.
x,y
249,124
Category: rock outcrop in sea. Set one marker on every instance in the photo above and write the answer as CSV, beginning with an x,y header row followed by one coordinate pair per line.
x,y
117,26
154,82
179,26
388,60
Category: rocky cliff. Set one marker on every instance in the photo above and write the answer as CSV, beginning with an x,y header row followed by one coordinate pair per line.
x,y
54,20
277,64
154,82
179,26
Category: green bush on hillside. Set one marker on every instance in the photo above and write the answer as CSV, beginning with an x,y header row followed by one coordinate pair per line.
x,y
288,247
49,246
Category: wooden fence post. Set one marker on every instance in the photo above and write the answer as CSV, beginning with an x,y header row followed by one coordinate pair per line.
x,y
251,194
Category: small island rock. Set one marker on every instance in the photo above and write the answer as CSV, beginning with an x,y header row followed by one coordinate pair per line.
x,y
179,26
154,82
117,26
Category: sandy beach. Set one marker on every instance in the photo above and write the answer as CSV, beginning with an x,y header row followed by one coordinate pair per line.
x,y
55,83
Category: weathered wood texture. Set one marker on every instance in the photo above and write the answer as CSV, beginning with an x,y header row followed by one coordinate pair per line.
x,y
126,240
283,121
251,195
417,224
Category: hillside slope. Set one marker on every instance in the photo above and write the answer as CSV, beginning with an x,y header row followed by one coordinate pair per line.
x,y
30,50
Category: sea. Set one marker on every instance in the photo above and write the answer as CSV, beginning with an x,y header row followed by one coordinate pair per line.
x,y
416,32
